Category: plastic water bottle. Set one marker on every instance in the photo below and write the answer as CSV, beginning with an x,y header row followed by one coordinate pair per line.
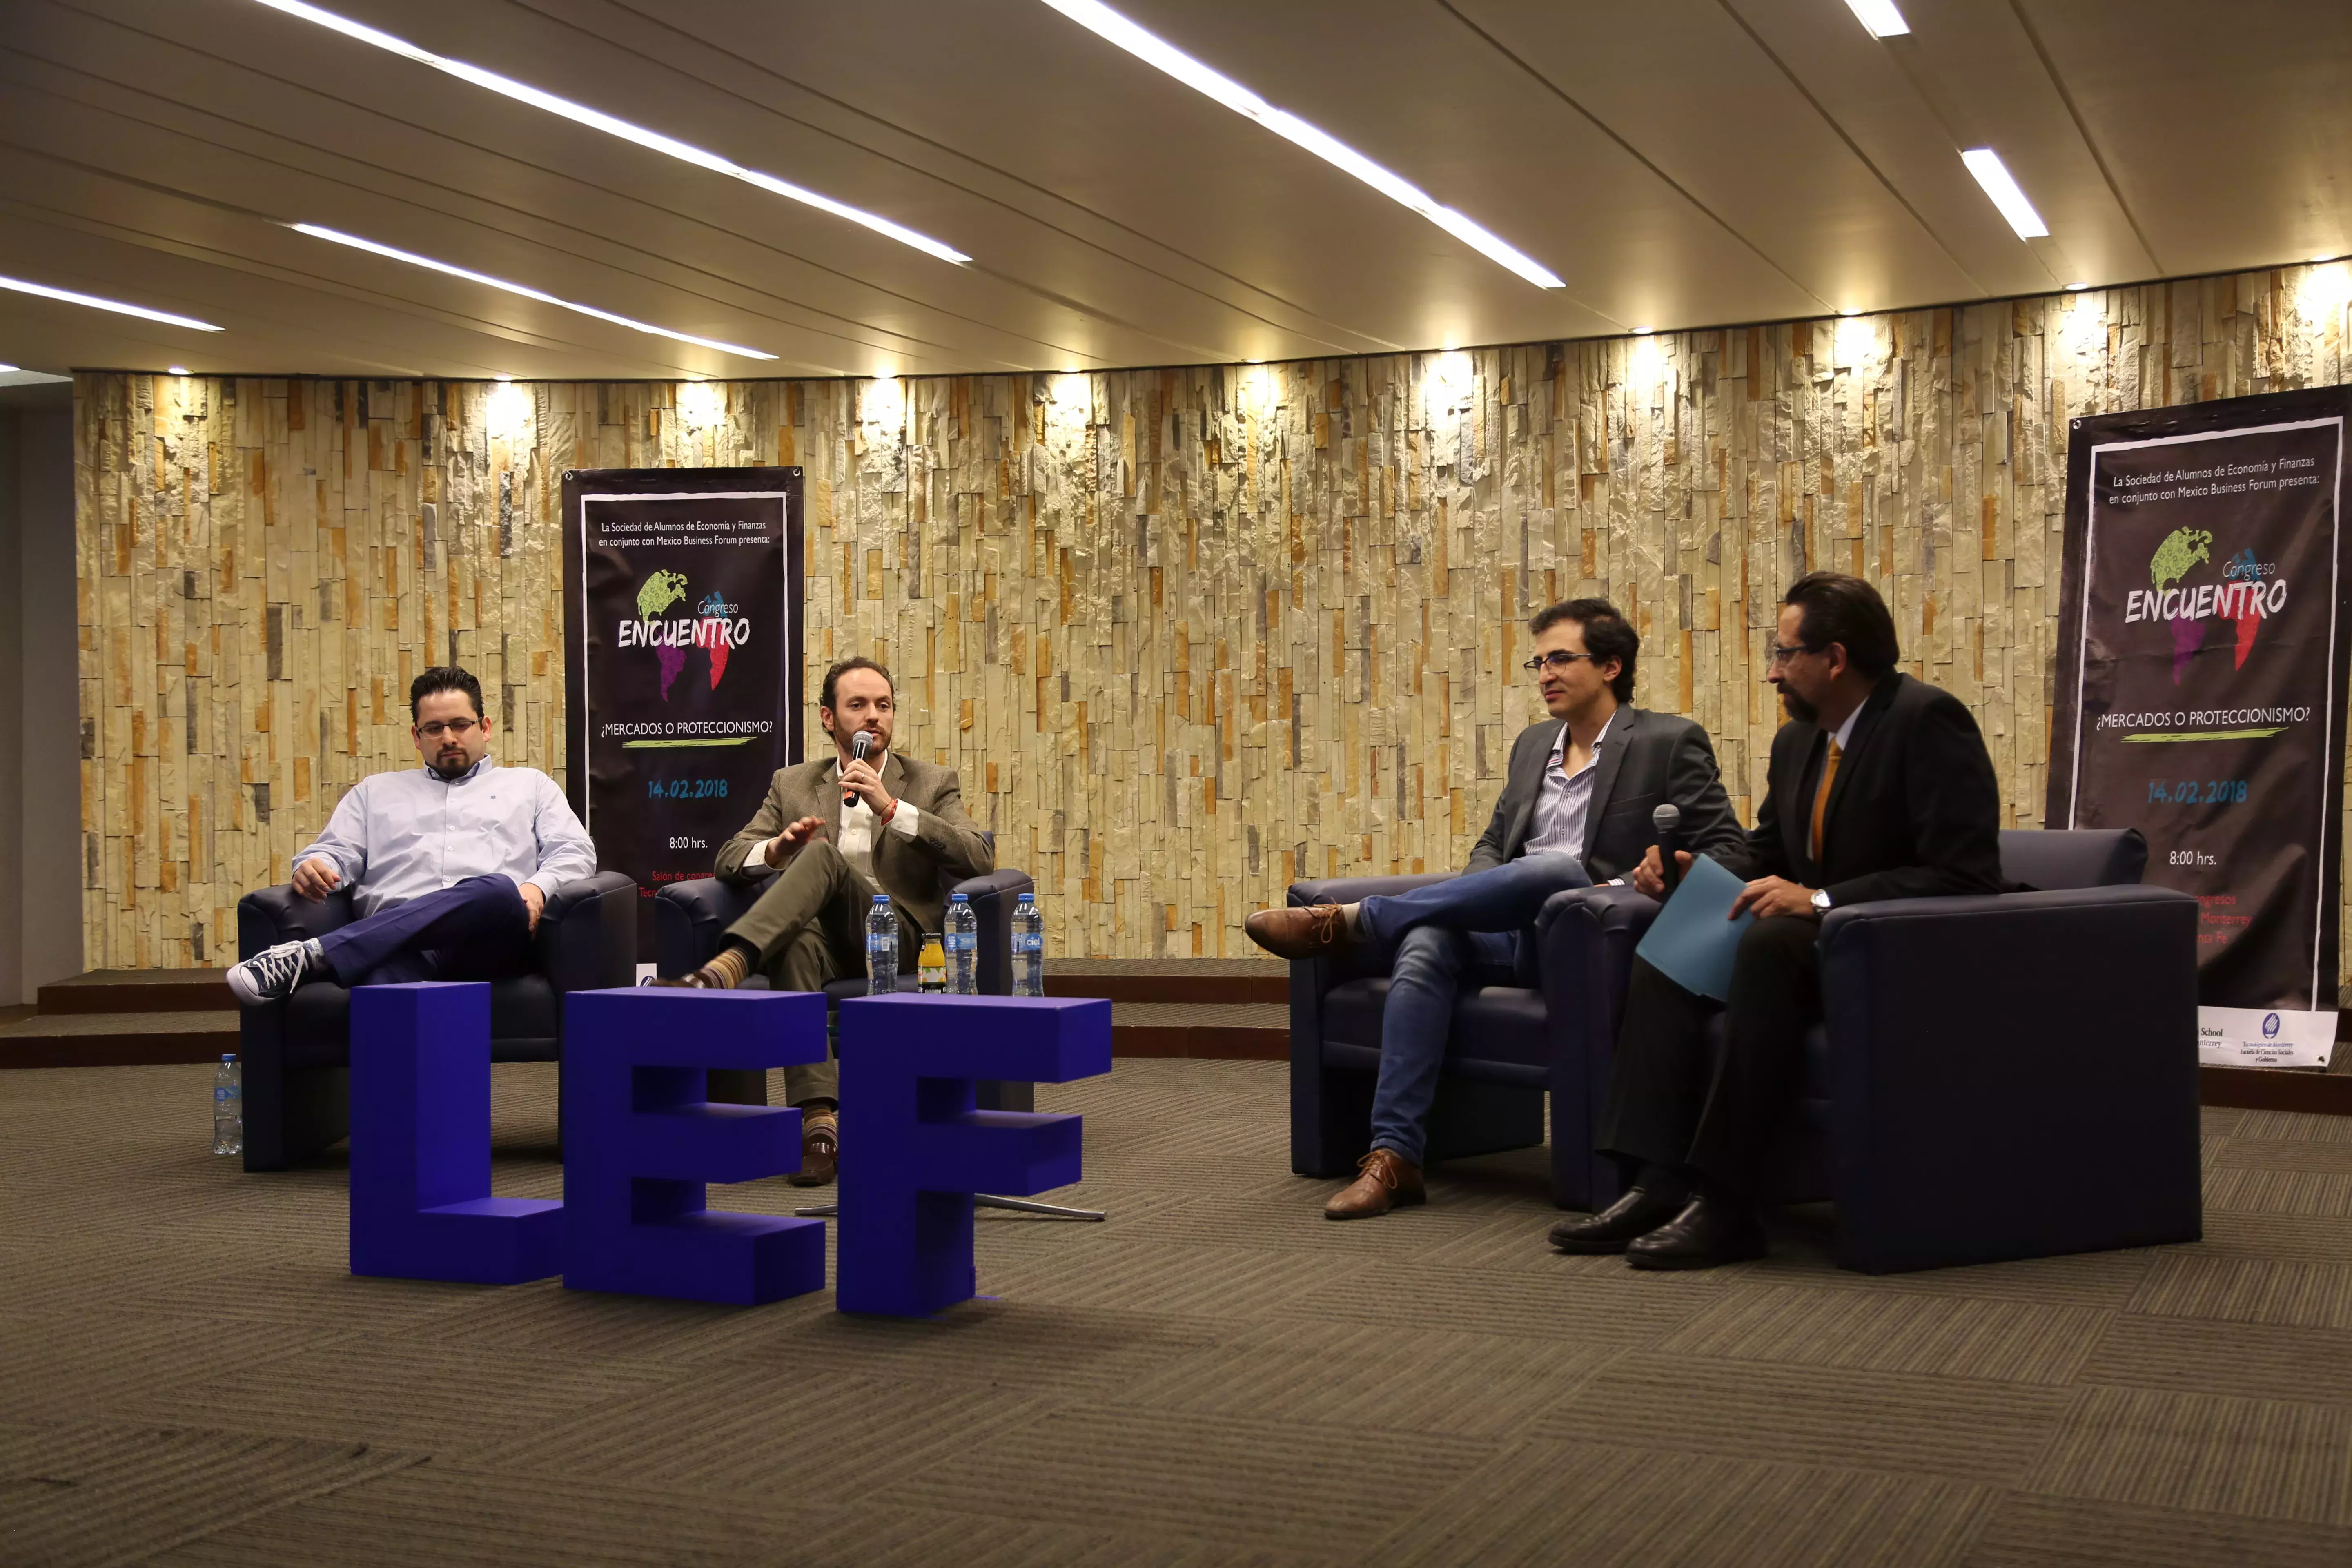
x,y
1028,948
228,1107
881,948
963,946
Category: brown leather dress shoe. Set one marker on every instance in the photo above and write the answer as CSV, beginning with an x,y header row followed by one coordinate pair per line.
x,y
688,982
820,1148
1388,1182
1300,933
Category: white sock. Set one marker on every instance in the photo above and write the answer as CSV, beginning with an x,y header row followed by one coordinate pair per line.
x,y
1354,915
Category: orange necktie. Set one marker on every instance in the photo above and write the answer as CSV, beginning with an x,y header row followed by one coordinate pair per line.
x,y
1821,796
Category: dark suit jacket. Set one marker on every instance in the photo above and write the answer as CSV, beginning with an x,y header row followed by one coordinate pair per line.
x,y
1914,811
908,869
1646,760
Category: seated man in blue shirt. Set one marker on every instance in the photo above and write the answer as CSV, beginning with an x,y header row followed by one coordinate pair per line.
x,y
1576,808
449,865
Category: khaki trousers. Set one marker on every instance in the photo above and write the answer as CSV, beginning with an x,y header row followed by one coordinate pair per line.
x,y
807,928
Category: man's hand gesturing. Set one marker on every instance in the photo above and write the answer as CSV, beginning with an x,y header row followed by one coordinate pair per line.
x,y
795,836
861,778
1650,876
316,878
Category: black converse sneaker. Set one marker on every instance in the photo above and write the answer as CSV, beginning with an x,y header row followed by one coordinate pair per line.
x,y
272,973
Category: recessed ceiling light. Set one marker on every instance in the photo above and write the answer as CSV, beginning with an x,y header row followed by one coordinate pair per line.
x,y
2328,256
596,119
175,370
1994,177
95,303
315,232
1853,312
1643,331
502,378
1880,17
2076,288
1103,21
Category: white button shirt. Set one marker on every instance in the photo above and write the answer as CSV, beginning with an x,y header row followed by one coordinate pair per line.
x,y
396,836
1565,803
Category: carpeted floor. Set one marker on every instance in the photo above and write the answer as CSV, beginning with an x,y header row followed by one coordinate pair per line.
x,y
1216,1376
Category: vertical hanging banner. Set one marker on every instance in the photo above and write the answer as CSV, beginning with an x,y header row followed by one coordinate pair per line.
x,y
683,594
2200,692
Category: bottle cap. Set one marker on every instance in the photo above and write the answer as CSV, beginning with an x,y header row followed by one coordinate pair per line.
x,y
959,898
881,898
228,1056
1026,898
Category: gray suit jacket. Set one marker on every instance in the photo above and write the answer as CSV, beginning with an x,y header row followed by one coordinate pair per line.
x,y
1646,760
908,869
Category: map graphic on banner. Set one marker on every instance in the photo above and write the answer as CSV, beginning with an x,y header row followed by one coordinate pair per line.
x,y
683,588
2201,690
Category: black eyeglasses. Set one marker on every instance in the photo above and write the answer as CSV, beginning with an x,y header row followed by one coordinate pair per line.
x,y
1557,661
1777,654
461,728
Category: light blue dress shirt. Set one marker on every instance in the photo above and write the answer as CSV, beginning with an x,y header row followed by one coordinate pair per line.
x,y
396,836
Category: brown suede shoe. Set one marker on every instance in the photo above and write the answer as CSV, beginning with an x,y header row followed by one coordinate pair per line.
x,y
1388,1183
820,1148
1300,933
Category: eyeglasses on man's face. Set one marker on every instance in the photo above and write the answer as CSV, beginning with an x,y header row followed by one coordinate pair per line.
x,y
1559,662
461,728
1777,654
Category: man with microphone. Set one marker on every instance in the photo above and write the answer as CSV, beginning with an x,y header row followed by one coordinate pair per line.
x,y
831,834
1580,802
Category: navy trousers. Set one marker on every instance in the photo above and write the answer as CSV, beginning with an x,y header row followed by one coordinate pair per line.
x,y
477,930
1475,930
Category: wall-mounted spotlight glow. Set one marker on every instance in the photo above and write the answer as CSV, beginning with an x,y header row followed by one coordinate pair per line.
x,y
512,409
2076,288
175,370
7,369
596,119
95,303
1879,16
315,232
1156,52
1643,331
1994,177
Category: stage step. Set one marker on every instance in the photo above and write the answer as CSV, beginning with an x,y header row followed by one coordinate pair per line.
x,y
1244,1031
117,1039
139,991
1199,982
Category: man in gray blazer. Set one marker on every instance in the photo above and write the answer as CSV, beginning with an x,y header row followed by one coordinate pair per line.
x,y
830,835
1575,809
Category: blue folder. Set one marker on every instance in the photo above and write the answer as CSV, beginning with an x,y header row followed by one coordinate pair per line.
x,y
1692,940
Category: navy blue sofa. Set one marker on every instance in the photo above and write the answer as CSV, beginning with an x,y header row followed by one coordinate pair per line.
x,y
2006,1076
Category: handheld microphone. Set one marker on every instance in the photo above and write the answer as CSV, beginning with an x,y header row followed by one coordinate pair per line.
x,y
859,745
1668,821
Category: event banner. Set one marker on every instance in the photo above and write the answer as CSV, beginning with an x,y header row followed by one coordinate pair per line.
x,y
2201,690
682,589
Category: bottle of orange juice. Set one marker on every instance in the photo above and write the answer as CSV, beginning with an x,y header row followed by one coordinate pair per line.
x,y
931,968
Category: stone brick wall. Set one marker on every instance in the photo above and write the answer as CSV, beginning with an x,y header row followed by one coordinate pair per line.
x,y
1189,634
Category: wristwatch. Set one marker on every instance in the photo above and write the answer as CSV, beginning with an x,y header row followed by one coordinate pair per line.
x,y
1821,900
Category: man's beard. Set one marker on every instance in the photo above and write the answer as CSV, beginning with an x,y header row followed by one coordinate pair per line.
x,y
1802,711
451,768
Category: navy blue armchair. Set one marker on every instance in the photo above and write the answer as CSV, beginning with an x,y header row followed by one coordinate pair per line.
x,y
297,1052
2006,1076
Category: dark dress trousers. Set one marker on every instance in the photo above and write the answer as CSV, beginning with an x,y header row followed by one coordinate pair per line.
x,y
1913,812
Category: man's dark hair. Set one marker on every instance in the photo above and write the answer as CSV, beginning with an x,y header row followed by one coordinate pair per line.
x,y
842,668
1847,611
444,678
1607,636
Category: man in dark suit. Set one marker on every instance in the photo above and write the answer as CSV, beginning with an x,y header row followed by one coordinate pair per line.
x,y
1878,789
1575,806
831,834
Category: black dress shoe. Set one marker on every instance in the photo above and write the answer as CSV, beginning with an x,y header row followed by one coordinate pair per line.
x,y
1709,1232
1641,1211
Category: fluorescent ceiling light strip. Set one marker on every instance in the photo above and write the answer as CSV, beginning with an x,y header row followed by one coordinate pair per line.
x,y
1994,177
356,243
1158,52
95,303
1879,16
596,119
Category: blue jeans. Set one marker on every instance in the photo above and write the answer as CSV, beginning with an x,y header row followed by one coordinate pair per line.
x,y
477,930
1470,929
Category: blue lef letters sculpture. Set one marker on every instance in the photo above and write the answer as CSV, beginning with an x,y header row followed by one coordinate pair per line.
x,y
421,1204
921,1151
642,1141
